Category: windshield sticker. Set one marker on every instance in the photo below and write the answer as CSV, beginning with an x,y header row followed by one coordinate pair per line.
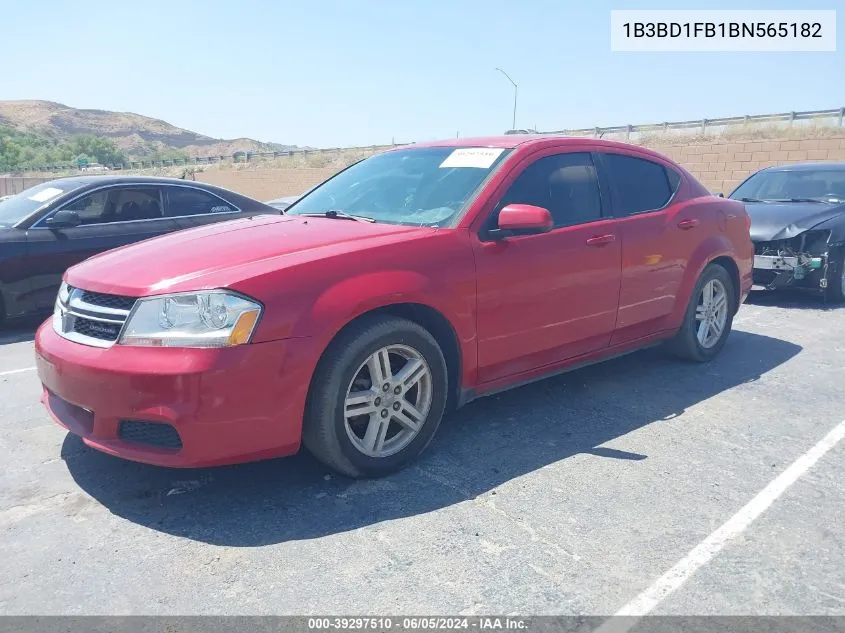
x,y
45,194
478,157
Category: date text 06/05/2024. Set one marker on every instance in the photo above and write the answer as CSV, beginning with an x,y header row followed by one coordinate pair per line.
x,y
417,623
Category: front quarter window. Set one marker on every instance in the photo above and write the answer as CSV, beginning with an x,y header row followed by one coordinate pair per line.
x,y
428,186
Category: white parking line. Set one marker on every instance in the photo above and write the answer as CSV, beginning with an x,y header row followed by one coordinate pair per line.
x,y
702,554
16,371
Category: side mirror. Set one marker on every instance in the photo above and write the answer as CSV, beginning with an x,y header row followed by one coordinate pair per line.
x,y
64,220
523,219
719,195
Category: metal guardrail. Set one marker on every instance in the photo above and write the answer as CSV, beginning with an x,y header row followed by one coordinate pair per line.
x,y
836,117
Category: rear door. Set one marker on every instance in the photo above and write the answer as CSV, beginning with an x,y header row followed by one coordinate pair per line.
x,y
658,237
191,206
111,217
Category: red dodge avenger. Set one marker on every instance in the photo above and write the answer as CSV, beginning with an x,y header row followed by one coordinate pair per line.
x,y
410,283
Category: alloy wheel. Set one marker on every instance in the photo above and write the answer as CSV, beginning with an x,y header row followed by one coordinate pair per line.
x,y
711,313
388,401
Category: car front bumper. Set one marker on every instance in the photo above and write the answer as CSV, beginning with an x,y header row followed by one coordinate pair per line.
x,y
775,271
178,407
777,262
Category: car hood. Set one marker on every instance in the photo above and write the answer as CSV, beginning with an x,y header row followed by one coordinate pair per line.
x,y
780,221
220,255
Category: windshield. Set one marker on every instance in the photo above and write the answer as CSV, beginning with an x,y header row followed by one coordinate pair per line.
x,y
18,207
824,185
420,186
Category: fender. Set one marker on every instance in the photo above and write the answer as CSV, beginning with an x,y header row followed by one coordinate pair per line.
x,y
713,247
353,297
15,285
836,226
16,300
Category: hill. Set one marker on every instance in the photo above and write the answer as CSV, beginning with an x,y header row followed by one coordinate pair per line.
x,y
134,135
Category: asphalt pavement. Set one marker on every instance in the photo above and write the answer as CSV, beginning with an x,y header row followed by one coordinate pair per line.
x,y
574,495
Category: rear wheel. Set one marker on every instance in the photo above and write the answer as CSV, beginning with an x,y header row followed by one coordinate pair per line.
x,y
377,397
708,318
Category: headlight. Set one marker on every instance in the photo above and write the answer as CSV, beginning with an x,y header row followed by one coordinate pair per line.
x,y
58,307
64,293
216,318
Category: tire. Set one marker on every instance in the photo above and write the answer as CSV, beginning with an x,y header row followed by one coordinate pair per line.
x,y
339,440
687,343
835,291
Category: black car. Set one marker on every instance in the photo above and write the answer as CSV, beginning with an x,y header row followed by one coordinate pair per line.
x,y
798,226
49,227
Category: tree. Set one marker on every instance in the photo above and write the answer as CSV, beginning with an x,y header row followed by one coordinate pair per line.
x,y
23,150
102,149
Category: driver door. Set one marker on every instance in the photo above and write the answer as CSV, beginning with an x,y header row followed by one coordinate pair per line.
x,y
549,297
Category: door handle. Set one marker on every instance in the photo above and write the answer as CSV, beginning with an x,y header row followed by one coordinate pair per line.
x,y
685,225
601,240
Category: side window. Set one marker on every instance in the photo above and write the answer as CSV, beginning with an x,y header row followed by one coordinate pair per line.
x,y
135,203
187,201
640,184
117,205
565,184
91,208
674,180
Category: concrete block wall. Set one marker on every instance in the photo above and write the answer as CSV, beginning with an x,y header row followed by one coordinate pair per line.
x,y
266,184
721,166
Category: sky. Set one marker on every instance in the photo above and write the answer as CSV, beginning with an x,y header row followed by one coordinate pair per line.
x,y
329,73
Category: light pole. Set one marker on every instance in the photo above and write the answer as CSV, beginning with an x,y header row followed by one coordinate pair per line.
x,y
515,90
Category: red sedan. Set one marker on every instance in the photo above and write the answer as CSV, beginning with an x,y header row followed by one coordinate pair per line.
x,y
412,282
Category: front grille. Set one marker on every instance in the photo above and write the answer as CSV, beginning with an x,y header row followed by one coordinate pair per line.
x,y
96,329
116,302
152,433
91,318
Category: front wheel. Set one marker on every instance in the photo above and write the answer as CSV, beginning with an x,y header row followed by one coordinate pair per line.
x,y
835,290
377,397
708,318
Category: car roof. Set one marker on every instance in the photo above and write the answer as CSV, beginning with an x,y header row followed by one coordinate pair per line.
x,y
512,141
80,181
77,182
809,167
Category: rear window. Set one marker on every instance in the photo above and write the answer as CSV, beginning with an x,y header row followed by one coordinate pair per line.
x,y
185,201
